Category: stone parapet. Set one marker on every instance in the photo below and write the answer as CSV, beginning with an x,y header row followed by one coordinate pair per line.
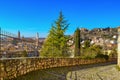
x,y
12,68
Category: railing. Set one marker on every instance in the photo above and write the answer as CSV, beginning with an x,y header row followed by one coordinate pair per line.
x,y
12,68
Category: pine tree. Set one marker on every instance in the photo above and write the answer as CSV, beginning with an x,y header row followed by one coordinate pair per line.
x,y
55,44
77,42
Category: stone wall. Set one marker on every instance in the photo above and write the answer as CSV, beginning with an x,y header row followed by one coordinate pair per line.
x,y
11,68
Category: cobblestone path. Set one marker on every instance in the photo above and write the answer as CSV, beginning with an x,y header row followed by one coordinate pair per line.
x,y
108,72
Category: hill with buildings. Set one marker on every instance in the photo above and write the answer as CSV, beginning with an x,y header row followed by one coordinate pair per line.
x,y
104,37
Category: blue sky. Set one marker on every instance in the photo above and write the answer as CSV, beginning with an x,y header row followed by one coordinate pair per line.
x,y
31,16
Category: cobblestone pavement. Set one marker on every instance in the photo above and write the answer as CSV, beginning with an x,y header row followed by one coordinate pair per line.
x,y
108,72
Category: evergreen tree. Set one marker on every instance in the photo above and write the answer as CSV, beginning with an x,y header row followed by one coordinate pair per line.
x,y
55,44
77,42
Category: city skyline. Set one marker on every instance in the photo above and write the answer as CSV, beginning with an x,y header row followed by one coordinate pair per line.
x,y
30,17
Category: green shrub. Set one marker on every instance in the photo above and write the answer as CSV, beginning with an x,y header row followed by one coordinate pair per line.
x,y
24,54
106,57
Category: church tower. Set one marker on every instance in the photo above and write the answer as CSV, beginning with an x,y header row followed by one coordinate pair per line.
x,y
37,39
19,34
118,50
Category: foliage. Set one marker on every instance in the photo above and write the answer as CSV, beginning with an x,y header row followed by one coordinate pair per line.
x,y
56,43
24,54
77,42
96,49
91,51
113,52
87,44
87,53
106,57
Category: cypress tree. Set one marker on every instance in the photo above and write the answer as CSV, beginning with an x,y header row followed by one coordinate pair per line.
x,y
77,42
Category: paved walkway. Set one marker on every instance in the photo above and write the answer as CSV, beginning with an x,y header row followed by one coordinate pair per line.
x,y
108,72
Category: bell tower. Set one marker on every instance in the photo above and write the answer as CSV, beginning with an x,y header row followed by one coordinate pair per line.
x,y
19,34
37,39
